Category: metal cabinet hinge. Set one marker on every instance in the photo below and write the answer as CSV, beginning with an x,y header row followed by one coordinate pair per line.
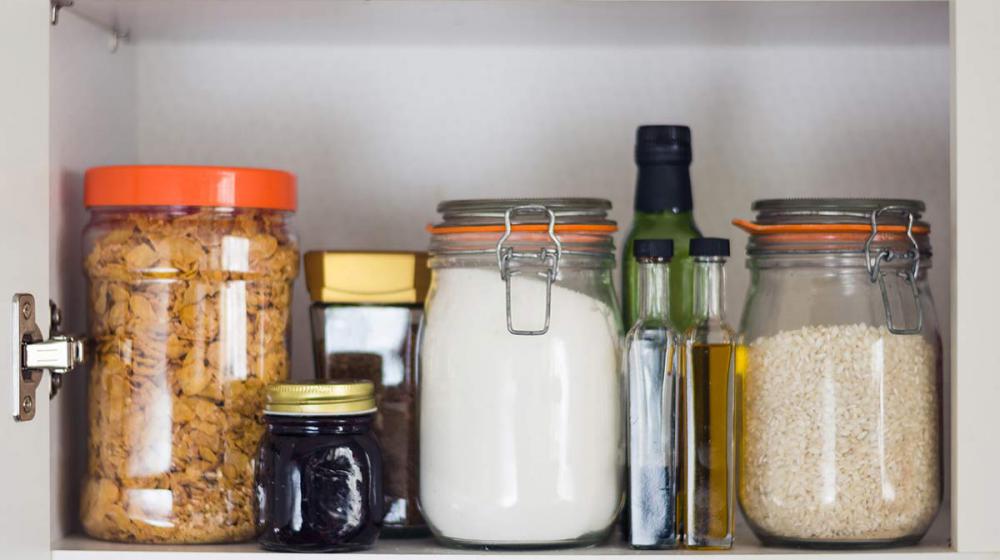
x,y
33,355
116,35
54,7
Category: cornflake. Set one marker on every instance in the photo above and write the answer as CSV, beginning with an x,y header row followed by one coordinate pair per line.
x,y
190,313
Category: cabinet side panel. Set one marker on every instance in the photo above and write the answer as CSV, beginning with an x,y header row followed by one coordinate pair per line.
x,y
24,244
975,178
93,123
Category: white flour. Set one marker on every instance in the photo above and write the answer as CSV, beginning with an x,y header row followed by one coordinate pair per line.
x,y
521,436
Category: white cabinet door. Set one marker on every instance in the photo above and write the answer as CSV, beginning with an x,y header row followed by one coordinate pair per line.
x,y
24,267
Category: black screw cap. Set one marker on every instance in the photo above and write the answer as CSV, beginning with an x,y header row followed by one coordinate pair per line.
x,y
709,247
653,249
663,144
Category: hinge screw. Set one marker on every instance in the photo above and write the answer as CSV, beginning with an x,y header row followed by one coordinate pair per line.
x,y
26,310
27,405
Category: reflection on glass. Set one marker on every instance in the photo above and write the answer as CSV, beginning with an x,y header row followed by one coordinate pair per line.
x,y
379,343
650,356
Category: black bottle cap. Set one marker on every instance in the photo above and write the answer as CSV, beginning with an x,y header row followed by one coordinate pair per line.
x,y
653,249
663,153
663,145
709,247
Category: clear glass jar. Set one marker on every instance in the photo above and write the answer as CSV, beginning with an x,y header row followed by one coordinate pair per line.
x,y
190,275
839,375
319,470
367,311
521,395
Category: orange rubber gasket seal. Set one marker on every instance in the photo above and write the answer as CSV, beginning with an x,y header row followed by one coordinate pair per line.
x,y
560,228
759,229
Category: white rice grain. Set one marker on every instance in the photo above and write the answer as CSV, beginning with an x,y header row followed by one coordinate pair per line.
x,y
840,434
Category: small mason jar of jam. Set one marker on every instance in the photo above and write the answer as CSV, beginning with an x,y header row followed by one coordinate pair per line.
x,y
319,469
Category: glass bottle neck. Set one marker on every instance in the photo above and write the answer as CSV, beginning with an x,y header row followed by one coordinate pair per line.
x,y
667,218
309,425
709,288
654,301
663,188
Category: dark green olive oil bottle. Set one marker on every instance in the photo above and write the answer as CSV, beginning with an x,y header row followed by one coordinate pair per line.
x,y
663,210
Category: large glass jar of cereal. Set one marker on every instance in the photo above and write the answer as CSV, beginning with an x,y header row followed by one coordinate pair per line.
x,y
190,275
839,375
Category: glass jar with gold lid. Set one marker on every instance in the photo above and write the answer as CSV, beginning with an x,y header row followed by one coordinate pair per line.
x,y
319,468
366,316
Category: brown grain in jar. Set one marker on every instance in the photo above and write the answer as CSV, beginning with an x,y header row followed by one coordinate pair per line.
x,y
190,274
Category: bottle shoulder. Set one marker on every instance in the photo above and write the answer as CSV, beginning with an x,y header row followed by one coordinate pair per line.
x,y
674,226
656,329
712,331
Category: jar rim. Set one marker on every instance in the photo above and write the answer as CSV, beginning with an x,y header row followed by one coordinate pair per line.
x,y
597,245
492,211
437,229
837,210
837,225
320,414
523,225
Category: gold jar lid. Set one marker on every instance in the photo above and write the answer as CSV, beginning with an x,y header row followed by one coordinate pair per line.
x,y
367,277
343,397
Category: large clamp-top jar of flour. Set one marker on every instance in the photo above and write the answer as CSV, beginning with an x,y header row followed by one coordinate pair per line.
x,y
521,422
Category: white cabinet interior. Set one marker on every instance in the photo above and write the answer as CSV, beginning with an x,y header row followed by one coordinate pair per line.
x,y
384,108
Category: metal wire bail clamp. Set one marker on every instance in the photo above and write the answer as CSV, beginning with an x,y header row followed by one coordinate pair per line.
x,y
875,273
548,256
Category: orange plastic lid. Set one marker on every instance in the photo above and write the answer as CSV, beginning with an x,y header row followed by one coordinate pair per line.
x,y
559,228
189,185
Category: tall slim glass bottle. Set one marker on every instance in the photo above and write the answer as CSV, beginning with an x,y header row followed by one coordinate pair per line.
x,y
652,365
663,210
709,454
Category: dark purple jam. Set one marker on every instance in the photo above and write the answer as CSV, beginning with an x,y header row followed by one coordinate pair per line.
x,y
319,484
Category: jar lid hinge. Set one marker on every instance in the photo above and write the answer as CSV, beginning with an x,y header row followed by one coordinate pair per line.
x,y
549,256
874,266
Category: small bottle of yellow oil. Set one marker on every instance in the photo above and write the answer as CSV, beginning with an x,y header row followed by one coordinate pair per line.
x,y
709,456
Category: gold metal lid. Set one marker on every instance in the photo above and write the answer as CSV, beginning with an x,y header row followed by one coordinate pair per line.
x,y
367,277
342,397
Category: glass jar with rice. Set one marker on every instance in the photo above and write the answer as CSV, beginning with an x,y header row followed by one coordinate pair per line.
x,y
839,375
